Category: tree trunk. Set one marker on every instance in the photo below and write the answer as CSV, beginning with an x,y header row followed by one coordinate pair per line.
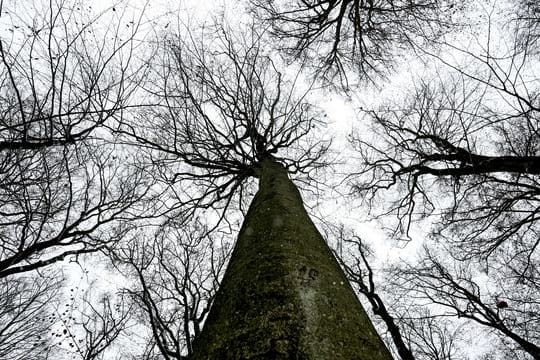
x,y
284,295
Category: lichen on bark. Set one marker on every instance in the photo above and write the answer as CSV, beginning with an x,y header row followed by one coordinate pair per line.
x,y
284,295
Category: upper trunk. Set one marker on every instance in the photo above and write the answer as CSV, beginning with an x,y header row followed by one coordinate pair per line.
x,y
284,295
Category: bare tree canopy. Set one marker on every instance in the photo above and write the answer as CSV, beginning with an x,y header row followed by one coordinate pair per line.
x,y
178,273
25,310
513,313
222,106
459,156
61,183
465,143
361,275
338,37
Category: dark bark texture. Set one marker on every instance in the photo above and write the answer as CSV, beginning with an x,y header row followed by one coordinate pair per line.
x,y
284,295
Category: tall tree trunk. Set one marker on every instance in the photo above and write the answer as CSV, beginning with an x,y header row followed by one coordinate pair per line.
x,y
284,295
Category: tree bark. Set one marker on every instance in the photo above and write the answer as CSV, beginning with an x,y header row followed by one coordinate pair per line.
x,y
284,295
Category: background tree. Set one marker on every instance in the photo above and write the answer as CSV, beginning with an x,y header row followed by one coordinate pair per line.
x,y
350,38
456,291
461,153
362,276
438,137
65,185
89,326
63,190
527,23
26,314
432,337
177,274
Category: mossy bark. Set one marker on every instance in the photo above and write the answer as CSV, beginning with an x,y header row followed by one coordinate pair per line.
x,y
284,295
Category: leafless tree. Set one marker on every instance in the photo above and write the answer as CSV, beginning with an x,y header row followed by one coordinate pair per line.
x,y
89,327
177,274
361,275
527,23
63,190
463,148
461,153
337,36
432,337
226,115
222,104
509,312
26,315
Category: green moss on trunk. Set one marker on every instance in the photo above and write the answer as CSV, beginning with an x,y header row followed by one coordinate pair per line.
x,y
284,295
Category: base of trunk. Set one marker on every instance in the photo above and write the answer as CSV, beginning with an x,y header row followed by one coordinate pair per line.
x,y
284,295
